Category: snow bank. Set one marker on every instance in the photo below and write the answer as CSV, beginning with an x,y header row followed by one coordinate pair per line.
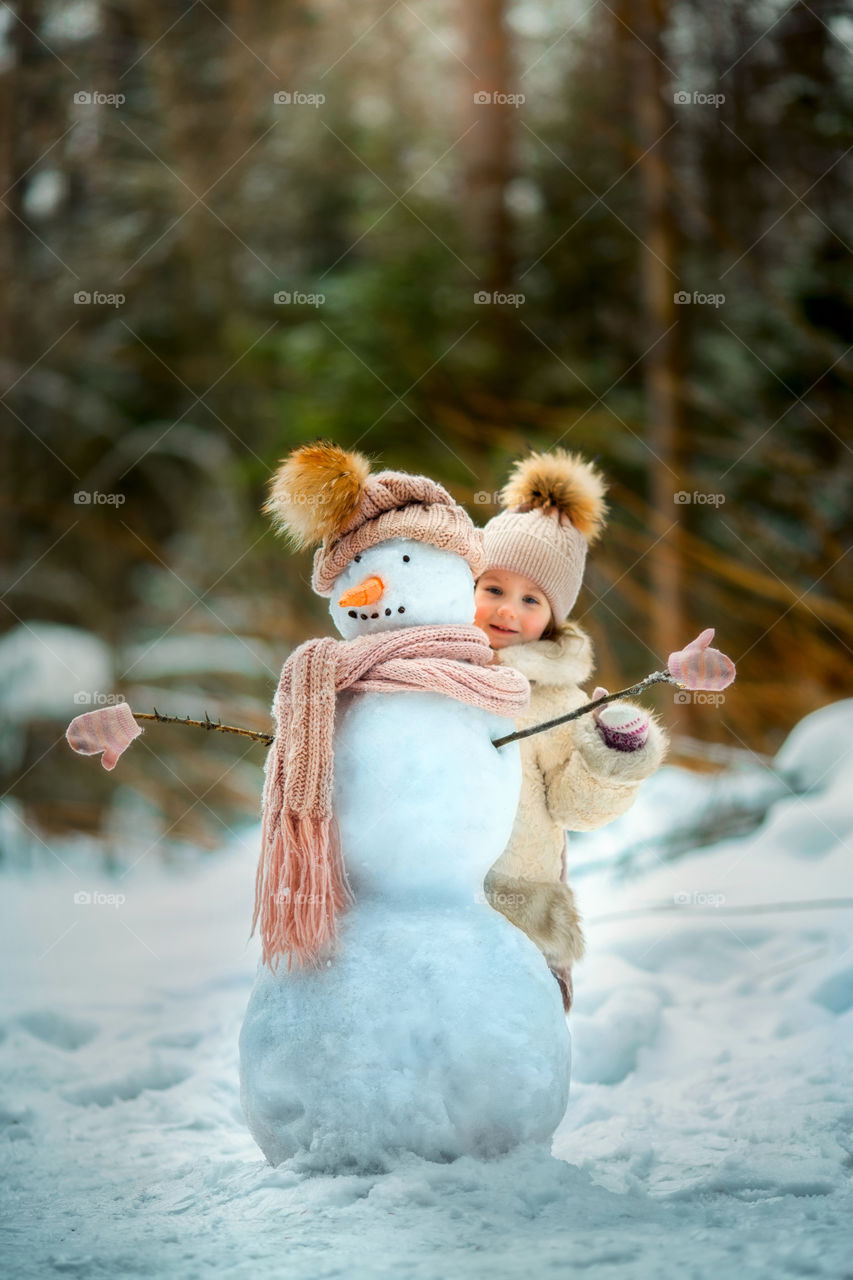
x,y
46,668
50,672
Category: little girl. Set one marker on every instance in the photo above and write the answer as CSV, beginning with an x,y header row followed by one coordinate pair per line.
x,y
580,775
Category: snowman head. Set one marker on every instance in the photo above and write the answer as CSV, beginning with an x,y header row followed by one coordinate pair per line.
x,y
402,583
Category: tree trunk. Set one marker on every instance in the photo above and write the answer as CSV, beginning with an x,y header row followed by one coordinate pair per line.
x,y
24,92
488,147
663,318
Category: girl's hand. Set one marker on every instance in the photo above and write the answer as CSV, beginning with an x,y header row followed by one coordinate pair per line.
x,y
623,727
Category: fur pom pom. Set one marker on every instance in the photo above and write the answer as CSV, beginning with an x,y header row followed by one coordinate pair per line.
x,y
563,480
315,491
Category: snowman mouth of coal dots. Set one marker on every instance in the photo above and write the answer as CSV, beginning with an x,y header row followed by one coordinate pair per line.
x,y
368,599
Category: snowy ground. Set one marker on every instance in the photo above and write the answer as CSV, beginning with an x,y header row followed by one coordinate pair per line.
x,y
710,1124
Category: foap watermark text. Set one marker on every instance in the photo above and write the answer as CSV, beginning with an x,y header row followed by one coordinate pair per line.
x,y
686,98
484,298
683,497
284,298
683,298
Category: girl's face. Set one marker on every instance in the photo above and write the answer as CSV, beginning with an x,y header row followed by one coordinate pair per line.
x,y
510,608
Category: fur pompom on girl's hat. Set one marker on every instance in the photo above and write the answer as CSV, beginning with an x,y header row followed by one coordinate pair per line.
x,y
554,510
324,494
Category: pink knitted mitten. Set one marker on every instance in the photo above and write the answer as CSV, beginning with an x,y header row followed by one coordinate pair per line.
x,y
698,667
109,729
624,728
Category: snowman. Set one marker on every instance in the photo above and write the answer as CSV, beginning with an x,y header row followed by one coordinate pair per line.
x,y
394,1010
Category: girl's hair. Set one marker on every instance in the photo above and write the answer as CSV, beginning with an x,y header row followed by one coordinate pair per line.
x,y
550,632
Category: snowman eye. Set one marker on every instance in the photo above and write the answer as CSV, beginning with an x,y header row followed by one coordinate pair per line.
x,y
406,557
356,559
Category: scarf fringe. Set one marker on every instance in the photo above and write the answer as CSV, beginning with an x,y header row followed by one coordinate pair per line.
x,y
301,887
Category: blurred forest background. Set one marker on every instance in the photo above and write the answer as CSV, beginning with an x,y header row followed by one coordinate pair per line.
x,y
230,228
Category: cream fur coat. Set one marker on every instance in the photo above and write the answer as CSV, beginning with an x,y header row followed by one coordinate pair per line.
x,y
571,780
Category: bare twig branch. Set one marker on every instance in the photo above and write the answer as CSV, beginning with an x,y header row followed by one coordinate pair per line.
x,y
657,677
206,723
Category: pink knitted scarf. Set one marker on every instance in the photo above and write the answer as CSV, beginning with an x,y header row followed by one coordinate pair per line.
x,y
301,882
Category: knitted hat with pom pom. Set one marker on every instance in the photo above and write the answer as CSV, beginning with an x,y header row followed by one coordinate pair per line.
x,y
555,509
324,494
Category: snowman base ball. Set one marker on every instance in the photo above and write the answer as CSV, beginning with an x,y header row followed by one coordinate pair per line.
x,y
440,1036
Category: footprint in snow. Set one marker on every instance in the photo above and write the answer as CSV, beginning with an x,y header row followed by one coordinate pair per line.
x,y
58,1029
103,1093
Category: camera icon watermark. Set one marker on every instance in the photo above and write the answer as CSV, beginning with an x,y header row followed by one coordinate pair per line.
x,y
700,697
683,498
94,497
92,98
83,298
683,298
699,899
483,298
83,898
684,98
295,98
284,299
487,497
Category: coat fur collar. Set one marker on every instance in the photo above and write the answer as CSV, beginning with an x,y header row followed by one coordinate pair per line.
x,y
566,660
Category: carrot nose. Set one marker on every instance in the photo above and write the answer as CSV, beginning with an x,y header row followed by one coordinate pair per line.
x,y
367,592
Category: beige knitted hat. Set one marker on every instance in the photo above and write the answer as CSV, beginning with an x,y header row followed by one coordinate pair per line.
x,y
555,509
322,493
